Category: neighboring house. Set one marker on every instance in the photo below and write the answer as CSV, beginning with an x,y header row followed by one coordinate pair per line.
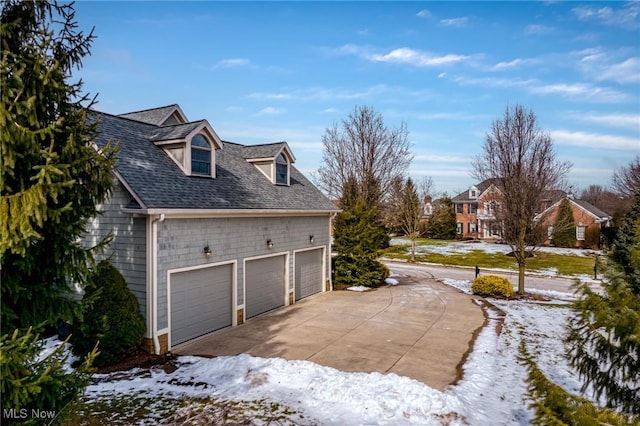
x,y
207,233
589,219
475,213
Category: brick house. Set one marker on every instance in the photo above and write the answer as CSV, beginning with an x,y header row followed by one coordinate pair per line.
x,y
589,219
475,213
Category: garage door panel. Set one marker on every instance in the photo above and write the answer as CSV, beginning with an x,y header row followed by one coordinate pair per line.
x,y
200,302
264,285
308,273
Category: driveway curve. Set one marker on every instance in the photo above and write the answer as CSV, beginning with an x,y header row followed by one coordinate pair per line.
x,y
419,328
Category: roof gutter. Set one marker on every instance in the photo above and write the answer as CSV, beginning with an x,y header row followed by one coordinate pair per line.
x,y
184,213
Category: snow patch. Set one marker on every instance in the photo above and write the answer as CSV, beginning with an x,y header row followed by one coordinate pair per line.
x,y
358,288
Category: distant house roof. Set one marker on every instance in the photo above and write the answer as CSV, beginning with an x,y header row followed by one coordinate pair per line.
x,y
481,187
157,182
592,209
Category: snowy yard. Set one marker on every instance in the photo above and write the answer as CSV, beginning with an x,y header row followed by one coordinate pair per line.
x,y
276,391
462,247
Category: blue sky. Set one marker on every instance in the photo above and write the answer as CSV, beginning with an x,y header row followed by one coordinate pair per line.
x,y
271,71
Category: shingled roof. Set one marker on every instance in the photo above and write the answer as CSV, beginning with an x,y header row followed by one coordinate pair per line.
x,y
159,183
482,186
155,116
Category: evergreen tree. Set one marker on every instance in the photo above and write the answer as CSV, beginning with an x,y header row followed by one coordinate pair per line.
x,y
564,227
603,343
358,238
604,336
442,223
627,246
52,176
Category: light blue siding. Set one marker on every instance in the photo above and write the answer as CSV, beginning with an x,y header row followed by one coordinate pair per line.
x,y
128,249
181,243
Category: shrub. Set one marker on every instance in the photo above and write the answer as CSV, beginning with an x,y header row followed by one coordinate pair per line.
x,y
592,238
31,382
359,270
492,285
110,315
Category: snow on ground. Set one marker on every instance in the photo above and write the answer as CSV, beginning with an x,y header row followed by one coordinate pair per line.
x,y
465,287
358,288
492,391
462,247
391,281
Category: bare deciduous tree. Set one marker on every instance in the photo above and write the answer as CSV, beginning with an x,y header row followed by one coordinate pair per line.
x,y
521,156
364,148
626,180
410,209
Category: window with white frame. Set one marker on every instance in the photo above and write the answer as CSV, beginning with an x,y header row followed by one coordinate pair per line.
x,y
282,170
580,231
473,208
459,208
459,228
473,227
200,156
550,231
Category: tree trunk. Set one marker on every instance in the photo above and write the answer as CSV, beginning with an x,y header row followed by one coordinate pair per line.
x,y
521,267
413,250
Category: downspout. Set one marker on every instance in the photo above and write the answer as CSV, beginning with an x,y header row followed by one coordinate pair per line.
x,y
154,282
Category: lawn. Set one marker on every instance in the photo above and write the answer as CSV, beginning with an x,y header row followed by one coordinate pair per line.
x,y
484,255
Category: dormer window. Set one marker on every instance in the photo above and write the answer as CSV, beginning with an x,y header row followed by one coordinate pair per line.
x,y
282,170
200,156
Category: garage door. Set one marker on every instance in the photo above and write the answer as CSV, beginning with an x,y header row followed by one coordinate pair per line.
x,y
308,274
264,285
200,301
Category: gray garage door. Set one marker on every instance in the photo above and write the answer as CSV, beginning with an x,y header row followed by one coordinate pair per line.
x,y
308,273
200,302
264,285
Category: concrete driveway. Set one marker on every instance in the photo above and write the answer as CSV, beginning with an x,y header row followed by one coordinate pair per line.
x,y
420,329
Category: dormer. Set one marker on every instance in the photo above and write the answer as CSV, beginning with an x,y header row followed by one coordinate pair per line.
x,y
473,193
192,146
272,160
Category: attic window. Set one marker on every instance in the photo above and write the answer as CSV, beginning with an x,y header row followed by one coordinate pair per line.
x,y
200,156
282,170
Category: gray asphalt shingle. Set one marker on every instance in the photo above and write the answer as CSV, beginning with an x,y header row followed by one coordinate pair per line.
x,y
160,183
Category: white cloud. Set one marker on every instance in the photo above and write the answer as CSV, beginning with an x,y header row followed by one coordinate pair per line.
x,y
624,72
320,93
424,13
535,29
442,158
232,63
329,110
626,121
581,91
271,111
364,32
501,66
625,17
602,65
455,22
442,75
594,140
405,55
449,116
